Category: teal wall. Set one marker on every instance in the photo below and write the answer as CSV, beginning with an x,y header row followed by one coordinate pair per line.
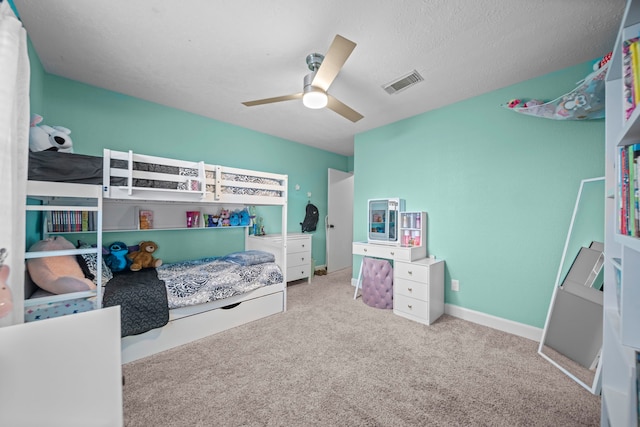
x,y
101,119
499,189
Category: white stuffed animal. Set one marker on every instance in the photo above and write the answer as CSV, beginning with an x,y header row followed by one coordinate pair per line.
x,y
43,137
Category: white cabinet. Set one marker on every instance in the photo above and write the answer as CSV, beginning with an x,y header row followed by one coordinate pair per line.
x,y
418,289
621,331
68,367
70,201
298,254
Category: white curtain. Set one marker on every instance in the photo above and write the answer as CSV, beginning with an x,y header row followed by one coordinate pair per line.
x,y
14,146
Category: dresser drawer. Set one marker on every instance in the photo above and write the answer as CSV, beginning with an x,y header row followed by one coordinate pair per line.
x,y
298,245
298,272
410,288
381,251
299,258
411,271
411,306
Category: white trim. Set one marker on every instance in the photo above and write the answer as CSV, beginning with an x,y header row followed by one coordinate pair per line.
x,y
505,325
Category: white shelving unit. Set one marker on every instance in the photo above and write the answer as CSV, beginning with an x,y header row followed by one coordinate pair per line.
x,y
621,329
413,230
123,215
57,196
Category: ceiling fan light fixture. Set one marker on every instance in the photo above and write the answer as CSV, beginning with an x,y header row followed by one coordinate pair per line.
x,y
314,98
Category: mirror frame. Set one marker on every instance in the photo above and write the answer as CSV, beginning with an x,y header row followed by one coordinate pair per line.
x,y
594,388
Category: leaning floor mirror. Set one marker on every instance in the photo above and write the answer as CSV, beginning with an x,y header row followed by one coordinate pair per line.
x,y
572,336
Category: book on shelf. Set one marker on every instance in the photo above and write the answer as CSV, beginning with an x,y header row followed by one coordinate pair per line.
x,y
70,221
145,219
629,190
631,75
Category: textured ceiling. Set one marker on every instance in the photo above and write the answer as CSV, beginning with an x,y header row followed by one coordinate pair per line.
x,y
207,57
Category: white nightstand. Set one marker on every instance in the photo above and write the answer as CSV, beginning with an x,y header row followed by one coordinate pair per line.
x,y
418,289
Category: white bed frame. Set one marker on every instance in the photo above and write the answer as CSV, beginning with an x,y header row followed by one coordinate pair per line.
x,y
211,185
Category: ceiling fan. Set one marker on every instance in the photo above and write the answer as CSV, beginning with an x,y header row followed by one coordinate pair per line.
x,y
324,69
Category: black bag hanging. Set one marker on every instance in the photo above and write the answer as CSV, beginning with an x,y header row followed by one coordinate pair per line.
x,y
310,219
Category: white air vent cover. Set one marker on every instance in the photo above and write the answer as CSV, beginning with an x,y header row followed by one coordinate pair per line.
x,y
403,82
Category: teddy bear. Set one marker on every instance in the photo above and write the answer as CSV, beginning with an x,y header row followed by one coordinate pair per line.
x,y
143,257
57,274
44,138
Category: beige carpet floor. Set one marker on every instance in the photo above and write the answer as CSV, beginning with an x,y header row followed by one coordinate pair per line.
x,y
330,360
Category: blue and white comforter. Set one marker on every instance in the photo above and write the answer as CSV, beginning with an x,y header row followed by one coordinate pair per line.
x,y
208,279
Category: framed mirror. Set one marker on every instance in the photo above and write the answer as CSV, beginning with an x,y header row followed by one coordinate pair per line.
x,y
572,336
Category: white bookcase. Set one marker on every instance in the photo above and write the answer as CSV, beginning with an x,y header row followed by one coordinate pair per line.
x,y
621,329
71,198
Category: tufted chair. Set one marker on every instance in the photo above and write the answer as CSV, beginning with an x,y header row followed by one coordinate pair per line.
x,y
377,283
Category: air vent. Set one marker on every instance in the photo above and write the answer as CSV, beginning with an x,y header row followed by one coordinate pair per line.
x,y
403,82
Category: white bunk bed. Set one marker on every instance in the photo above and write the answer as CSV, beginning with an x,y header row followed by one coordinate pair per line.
x,y
129,178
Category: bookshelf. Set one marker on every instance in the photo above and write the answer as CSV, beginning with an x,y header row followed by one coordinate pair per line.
x,y
621,314
63,207
140,215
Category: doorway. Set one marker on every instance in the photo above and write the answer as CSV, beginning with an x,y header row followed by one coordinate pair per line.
x,y
339,220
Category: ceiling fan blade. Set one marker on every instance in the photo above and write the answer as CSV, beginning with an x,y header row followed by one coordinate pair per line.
x,y
333,61
343,110
272,100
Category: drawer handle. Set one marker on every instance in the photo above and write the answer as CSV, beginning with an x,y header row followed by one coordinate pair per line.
x,y
365,249
410,289
393,253
410,272
409,306
302,259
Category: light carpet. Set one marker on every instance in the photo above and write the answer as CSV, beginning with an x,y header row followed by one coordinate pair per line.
x,y
330,360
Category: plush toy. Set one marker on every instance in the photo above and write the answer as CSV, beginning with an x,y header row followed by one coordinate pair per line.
x,y
117,258
513,103
224,218
57,274
43,137
143,258
245,218
6,300
234,219
601,63
533,103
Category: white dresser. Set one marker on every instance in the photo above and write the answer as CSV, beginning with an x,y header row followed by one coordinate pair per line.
x,y
298,252
418,289
298,256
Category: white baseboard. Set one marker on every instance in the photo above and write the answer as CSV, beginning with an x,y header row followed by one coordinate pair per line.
x,y
505,325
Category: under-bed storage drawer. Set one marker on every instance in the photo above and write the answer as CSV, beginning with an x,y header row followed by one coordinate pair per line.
x,y
190,328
